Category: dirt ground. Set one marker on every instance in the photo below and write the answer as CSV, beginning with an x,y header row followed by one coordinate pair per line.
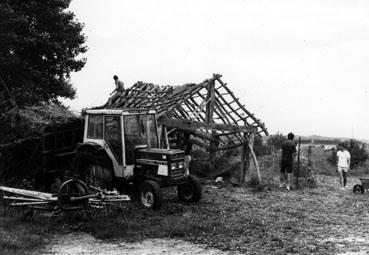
x,y
322,220
82,243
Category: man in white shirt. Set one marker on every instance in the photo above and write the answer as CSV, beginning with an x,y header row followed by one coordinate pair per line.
x,y
343,164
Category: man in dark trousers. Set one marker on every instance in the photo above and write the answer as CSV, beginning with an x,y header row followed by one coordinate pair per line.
x,y
288,154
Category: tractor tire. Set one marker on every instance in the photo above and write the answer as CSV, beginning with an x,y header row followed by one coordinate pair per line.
x,y
94,168
190,191
358,189
150,195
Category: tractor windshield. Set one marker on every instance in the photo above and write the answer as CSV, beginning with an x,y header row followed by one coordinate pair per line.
x,y
139,130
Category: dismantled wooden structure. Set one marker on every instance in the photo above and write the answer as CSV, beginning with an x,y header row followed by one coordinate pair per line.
x,y
72,195
209,111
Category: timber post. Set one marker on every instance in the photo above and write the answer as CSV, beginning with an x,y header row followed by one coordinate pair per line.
x,y
243,168
209,119
249,146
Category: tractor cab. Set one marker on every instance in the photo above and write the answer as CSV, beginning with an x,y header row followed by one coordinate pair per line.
x,y
120,133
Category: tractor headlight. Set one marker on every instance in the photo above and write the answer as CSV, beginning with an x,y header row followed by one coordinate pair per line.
x,y
180,165
173,166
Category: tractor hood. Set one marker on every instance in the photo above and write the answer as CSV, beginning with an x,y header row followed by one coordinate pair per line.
x,y
159,154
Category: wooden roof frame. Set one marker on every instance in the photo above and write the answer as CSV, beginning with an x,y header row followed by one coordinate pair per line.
x,y
209,107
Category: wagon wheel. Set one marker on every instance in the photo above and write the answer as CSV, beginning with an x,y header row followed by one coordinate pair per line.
x,y
358,189
72,188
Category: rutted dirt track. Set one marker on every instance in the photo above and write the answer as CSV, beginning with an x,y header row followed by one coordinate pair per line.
x,y
82,243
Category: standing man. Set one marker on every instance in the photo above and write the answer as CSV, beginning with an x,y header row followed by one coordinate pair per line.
x,y
119,89
343,164
288,154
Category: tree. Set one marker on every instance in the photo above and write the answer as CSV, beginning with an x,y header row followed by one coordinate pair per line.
x,y
39,44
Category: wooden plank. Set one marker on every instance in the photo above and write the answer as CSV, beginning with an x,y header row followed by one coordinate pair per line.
x,y
29,193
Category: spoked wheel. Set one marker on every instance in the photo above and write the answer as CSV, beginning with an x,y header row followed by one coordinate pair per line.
x,y
72,189
150,195
94,168
190,191
358,189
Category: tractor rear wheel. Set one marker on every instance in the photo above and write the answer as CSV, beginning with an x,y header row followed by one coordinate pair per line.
x,y
190,191
150,195
94,168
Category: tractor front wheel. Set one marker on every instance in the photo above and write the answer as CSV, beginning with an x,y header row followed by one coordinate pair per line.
x,y
190,191
150,195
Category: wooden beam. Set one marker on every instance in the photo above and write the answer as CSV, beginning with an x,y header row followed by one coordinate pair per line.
x,y
194,125
248,151
210,97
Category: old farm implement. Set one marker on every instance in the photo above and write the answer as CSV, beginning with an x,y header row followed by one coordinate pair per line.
x,y
72,195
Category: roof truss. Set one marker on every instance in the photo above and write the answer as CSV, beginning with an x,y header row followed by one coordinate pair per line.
x,y
207,105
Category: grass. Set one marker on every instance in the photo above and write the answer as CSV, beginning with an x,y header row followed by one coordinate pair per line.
x,y
322,220
18,234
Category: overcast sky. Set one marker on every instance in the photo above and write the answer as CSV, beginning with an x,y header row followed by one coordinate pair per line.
x,y
299,65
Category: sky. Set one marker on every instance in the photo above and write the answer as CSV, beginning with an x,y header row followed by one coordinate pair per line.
x,y
300,66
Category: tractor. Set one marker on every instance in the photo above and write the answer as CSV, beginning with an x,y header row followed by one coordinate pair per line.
x,y
121,150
